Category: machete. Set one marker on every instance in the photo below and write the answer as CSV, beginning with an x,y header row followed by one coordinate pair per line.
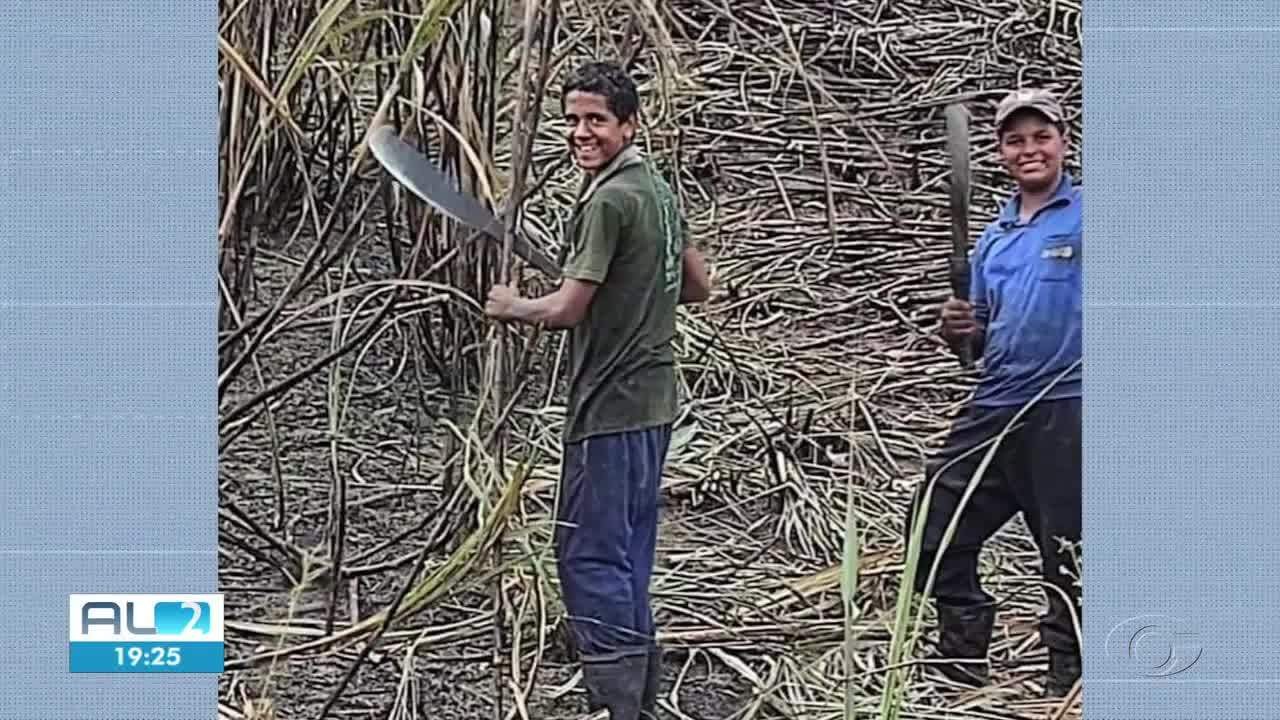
x,y
415,172
958,148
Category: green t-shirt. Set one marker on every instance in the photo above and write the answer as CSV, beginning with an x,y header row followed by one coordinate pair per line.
x,y
627,236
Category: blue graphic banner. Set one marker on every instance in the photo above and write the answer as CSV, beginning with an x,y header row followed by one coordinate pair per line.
x,y
1183,377
108,302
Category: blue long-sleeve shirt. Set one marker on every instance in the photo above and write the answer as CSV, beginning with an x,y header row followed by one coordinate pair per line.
x,y
1026,291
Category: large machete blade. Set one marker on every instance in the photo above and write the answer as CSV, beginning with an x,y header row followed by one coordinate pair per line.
x,y
958,148
415,172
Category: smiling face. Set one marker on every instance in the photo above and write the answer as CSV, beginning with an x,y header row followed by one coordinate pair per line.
x,y
595,134
1031,149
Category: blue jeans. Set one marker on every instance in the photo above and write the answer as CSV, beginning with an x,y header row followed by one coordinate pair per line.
x,y
606,534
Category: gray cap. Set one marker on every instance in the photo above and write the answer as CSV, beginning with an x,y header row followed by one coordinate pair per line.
x,y
1041,101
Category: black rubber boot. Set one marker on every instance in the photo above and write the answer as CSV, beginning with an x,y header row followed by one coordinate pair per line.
x,y
964,633
616,684
652,683
1064,670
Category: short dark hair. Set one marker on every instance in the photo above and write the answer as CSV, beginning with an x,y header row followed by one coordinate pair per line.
x,y
606,79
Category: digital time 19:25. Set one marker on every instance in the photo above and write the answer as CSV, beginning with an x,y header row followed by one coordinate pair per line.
x,y
155,655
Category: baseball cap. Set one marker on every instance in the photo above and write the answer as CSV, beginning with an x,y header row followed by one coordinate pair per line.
x,y
1041,101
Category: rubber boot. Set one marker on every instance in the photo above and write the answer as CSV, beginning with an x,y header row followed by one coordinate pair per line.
x,y
1064,670
616,684
965,634
652,683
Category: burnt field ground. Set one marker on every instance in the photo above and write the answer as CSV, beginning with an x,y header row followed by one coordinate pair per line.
x,y
389,459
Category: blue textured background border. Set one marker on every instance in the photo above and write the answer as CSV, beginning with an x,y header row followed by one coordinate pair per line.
x,y
1183,381
108,435
107,297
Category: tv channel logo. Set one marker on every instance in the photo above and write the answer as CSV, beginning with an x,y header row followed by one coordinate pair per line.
x,y
146,632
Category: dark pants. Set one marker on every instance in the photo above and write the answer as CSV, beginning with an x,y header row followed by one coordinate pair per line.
x,y
1036,470
605,539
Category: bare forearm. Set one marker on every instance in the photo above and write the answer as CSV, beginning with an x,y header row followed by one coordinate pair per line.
x,y
696,287
547,310
693,294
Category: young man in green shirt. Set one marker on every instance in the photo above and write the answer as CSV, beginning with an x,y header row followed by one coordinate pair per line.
x,y
627,264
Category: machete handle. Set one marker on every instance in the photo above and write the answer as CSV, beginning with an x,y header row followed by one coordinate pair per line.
x,y
524,250
964,351
960,289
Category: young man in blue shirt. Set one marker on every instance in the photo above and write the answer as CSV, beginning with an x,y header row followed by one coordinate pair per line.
x,y
1024,321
